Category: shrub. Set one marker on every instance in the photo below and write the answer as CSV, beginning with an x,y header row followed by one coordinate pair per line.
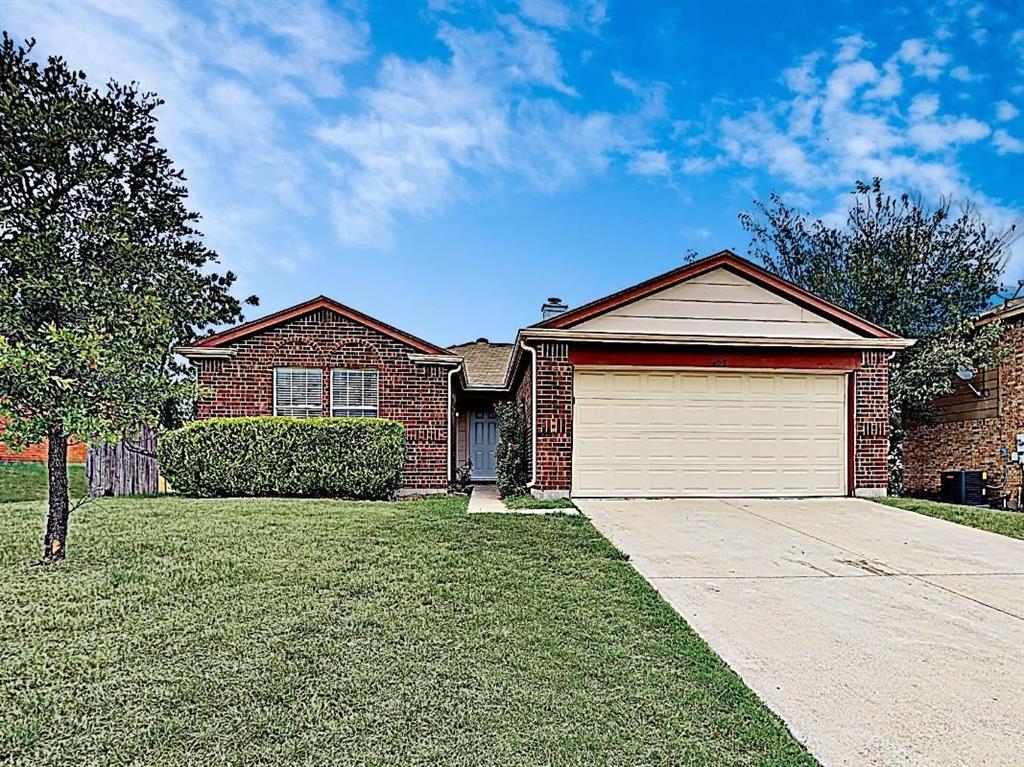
x,y
334,457
512,454
462,481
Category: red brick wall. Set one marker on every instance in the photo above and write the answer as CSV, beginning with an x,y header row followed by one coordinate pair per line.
x,y
871,422
37,453
554,417
974,443
524,396
413,394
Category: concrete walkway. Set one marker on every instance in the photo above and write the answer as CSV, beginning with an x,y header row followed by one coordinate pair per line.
x,y
484,500
881,637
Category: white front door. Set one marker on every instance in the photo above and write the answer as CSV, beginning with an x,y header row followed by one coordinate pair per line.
x,y
483,442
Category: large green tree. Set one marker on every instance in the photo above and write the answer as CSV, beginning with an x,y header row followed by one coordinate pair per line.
x,y
102,271
923,271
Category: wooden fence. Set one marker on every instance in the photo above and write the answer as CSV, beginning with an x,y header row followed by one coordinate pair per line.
x,y
126,468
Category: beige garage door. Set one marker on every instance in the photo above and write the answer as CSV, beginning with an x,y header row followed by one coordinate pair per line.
x,y
652,433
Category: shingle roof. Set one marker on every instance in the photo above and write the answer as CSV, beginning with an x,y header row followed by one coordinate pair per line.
x,y
1008,310
485,362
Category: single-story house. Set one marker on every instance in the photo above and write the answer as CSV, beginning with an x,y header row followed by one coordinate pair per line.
x,y
714,379
977,426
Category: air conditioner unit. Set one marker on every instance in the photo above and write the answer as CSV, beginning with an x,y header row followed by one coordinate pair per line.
x,y
964,487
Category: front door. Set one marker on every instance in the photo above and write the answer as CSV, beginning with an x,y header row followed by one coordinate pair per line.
x,y
483,442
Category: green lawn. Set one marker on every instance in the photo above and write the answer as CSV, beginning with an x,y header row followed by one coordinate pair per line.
x,y
279,632
27,481
1009,523
529,502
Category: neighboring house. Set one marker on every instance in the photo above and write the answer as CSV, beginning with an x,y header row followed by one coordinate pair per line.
x,y
975,429
37,453
714,379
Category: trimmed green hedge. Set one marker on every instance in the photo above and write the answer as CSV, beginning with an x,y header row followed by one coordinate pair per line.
x,y
272,455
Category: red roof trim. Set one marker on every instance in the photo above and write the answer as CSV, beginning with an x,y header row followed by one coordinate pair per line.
x,y
729,260
321,302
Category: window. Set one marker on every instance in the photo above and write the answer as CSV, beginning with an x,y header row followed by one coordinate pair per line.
x,y
354,393
298,392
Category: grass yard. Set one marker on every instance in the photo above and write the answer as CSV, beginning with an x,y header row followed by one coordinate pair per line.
x,y
1010,523
280,632
27,481
529,502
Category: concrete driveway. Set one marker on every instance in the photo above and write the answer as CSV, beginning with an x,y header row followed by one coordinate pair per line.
x,y
881,637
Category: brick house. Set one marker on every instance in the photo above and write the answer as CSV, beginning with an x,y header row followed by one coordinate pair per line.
x,y
714,379
976,426
37,453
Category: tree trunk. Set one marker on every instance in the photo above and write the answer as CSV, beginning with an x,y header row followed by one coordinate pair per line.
x,y
59,506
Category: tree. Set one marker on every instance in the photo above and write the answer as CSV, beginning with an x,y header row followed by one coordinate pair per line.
x,y
102,271
922,271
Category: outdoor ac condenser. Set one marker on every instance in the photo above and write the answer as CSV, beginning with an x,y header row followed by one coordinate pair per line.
x,y
966,487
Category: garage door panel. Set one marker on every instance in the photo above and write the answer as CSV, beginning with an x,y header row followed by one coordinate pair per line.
x,y
709,433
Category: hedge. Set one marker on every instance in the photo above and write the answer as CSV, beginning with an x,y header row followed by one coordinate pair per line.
x,y
278,456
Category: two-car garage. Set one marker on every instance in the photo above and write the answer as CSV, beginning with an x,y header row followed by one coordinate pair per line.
x,y
716,379
665,432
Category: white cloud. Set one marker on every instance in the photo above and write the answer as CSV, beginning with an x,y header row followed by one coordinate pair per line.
x,y
850,117
923,105
850,48
696,166
650,162
937,135
699,232
1006,144
549,13
890,84
802,78
925,59
964,74
233,84
428,132
846,80
1005,111
588,15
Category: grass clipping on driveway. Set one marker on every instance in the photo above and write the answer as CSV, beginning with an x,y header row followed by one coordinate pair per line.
x,y
319,632
1010,523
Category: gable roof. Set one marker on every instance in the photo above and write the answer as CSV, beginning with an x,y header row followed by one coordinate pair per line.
x,y
485,363
726,260
320,302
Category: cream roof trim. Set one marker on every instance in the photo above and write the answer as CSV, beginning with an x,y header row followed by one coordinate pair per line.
x,y
698,340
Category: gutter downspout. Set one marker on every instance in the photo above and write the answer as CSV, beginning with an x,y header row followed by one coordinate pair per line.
x,y
533,413
451,372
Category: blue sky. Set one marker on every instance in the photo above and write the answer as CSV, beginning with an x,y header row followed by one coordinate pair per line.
x,y
447,165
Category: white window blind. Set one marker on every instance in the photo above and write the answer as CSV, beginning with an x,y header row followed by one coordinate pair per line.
x,y
298,392
354,393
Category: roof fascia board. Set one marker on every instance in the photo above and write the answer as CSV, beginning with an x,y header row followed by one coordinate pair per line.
x,y
196,352
435,359
555,334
